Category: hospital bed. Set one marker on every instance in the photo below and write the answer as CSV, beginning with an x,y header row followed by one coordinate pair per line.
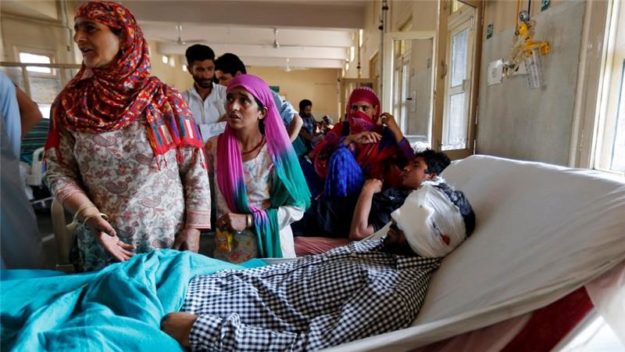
x,y
549,243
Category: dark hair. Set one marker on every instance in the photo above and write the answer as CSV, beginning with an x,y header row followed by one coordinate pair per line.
x,y
436,161
304,103
461,201
230,63
199,52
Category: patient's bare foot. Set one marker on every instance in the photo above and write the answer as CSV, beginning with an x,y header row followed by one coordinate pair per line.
x,y
178,325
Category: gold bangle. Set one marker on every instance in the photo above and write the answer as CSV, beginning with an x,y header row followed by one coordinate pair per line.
x,y
248,220
81,209
102,215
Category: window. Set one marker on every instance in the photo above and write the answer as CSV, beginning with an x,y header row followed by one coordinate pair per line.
x,y
609,152
30,58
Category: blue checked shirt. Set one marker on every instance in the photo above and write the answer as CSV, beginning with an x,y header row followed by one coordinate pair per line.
x,y
319,301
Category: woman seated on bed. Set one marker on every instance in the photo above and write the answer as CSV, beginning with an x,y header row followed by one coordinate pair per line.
x,y
352,292
257,175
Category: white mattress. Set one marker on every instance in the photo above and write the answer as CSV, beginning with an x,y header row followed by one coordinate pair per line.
x,y
542,231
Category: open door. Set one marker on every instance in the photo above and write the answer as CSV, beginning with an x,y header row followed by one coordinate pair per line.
x,y
407,83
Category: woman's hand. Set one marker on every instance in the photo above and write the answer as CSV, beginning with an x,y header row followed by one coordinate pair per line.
x,y
188,240
112,244
233,221
107,237
363,138
389,121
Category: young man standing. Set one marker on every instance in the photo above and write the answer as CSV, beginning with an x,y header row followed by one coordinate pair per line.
x,y
228,65
308,127
206,99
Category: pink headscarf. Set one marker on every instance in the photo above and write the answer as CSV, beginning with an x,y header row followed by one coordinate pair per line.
x,y
288,186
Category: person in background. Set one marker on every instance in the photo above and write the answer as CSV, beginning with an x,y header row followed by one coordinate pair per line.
x,y
307,133
257,175
20,246
326,125
124,154
367,145
366,288
206,99
228,66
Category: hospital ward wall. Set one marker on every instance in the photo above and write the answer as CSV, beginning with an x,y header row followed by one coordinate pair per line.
x,y
318,85
518,122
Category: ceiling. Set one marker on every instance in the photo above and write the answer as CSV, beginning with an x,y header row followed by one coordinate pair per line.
x,y
291,34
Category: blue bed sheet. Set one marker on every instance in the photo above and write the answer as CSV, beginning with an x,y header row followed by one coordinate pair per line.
x,y
116,309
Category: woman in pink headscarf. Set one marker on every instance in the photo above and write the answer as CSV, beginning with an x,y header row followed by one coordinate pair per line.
x,y
123,153
367,145
259,185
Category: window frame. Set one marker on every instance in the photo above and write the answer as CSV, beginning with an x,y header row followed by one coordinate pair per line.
x,y
590,102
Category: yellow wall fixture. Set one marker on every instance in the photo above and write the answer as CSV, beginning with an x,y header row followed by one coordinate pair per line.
x,y
527,50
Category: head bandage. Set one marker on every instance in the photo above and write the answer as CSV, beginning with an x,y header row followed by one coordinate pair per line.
x,y
430,221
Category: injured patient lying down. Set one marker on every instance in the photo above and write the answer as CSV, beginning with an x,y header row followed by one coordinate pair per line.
x,y
352,292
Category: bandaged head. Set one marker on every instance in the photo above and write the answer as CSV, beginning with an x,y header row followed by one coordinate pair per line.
x,y
431,222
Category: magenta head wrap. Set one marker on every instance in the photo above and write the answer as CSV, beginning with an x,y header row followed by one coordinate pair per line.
x,y
288,186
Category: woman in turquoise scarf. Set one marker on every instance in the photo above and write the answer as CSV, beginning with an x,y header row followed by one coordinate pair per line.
x,y
260,188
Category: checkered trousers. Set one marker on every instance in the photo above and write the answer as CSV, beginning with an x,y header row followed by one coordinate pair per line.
x,y
316,302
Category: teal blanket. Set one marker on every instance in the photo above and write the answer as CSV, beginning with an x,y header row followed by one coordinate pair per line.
x,y
116,309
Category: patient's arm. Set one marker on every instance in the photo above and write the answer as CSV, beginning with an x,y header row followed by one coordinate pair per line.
x,y
360,227
375,309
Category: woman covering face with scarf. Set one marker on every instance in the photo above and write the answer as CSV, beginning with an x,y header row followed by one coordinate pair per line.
x,y
367,145
123,153
260,188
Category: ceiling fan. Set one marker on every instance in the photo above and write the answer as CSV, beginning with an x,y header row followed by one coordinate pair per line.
x,y
180,41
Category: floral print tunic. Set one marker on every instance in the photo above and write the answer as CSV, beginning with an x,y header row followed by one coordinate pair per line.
x,y
148,199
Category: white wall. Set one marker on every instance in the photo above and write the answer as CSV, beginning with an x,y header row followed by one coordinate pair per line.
x,y
174,76
534,124
318,85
